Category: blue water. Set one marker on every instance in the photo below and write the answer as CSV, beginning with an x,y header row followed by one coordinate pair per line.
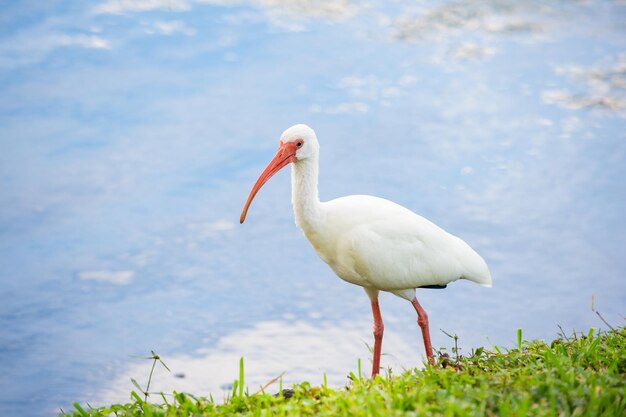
x,y
131,133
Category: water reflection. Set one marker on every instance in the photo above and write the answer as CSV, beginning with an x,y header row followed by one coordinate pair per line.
x,y
131,132
298,350
454,18
602,88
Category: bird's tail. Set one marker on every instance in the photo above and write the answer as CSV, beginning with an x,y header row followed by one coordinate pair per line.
x,y
479,272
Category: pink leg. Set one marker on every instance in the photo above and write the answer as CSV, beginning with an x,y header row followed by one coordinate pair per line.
x,y
378,337
422,321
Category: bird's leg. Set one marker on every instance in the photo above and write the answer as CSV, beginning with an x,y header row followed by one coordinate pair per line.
x,y
422,321
378,336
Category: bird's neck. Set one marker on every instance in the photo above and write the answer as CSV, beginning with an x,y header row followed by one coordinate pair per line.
x,y
305,195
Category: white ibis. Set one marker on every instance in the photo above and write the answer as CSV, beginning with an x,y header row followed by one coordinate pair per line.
x,y
369,241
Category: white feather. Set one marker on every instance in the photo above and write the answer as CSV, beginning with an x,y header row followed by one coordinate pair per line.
x,y
373,242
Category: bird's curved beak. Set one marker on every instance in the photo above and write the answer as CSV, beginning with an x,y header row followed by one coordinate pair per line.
x,y
285,155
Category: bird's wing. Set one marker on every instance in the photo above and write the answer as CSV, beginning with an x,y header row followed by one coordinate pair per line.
x,y
393,256
386,246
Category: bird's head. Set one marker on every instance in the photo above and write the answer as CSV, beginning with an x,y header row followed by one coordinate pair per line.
x,y
302,140
298,143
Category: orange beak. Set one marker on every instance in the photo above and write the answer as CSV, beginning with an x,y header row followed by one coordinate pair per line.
x,y
286,154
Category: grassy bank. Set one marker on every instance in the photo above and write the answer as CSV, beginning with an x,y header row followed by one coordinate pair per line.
x,y
580,375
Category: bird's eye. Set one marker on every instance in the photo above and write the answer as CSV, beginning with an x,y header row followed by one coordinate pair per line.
x,y
299,144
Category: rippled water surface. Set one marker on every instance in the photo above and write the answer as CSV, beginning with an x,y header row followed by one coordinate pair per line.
x,y
132,131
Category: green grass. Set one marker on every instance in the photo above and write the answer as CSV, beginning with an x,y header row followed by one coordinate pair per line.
x,y
581,375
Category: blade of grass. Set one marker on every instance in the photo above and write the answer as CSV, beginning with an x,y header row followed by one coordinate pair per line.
x,y
241,381
270,382
593,308
150,378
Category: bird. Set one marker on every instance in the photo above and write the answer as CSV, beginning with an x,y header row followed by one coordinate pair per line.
x,y
370,241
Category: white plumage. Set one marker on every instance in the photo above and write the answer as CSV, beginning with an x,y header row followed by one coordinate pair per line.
x,y
369,241
385,246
